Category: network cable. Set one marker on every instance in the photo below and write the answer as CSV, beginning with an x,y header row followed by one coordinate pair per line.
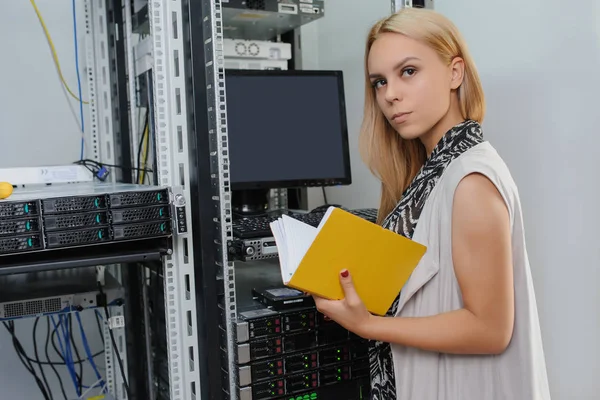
x,y
86,347
37,357
59,69
65,350
52,365
78,78
10,327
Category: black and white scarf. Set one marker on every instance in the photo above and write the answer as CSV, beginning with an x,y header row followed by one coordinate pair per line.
x,y
403,220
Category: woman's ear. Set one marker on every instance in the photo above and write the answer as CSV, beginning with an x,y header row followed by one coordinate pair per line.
x,y
457,71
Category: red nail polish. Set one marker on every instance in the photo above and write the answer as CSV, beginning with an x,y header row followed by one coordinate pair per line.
x,y
344,273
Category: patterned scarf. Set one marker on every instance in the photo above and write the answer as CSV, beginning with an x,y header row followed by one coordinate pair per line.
x,y
403,220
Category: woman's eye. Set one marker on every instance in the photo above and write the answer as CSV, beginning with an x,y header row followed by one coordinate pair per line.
x,y
378,83
409,72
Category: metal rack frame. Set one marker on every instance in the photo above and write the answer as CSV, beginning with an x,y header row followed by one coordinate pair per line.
x,y
100,51
174,169
110,73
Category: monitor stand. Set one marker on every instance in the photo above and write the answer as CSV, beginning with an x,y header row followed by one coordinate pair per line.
x,y
250,202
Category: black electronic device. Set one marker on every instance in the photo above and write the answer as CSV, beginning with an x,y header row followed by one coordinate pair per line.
x,y
282,298
66,217
276,17
240,16
295,352
286,129
258,226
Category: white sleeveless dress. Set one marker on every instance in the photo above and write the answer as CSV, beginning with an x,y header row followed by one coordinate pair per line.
x,y
517,374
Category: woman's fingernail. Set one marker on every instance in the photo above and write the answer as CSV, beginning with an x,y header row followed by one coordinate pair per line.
x,y
344,273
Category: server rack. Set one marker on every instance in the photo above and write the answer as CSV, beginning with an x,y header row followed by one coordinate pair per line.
x,y
107,122
165,270
191,116
190,41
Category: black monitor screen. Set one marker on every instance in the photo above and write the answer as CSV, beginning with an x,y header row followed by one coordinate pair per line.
x,y
286,129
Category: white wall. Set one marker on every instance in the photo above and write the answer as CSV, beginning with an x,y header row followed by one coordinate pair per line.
x,y
540,63
336,42
36,124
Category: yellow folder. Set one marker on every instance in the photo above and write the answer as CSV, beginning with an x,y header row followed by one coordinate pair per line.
x,y
379,260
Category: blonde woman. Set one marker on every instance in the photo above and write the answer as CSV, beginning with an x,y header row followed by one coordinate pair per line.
x,y
465,326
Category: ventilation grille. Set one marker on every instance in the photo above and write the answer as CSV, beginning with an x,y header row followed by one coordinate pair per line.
x,y
75,221
32,307
20,209
17,244
140,214
66,204
74,238
19,226
151,229
255,4
139,198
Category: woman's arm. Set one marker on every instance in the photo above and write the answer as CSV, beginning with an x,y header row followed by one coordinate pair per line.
x,y
481,247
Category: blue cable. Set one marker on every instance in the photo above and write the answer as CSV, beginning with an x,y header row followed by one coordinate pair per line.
x,y
86,346
78,78
70,368
69,352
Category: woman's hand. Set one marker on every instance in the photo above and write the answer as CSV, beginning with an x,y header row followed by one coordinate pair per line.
x,y
350,312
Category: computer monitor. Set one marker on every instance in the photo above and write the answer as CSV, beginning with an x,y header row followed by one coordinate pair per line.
x,y
286,129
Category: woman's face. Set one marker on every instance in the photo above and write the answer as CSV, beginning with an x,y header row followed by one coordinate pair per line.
x,y
413,86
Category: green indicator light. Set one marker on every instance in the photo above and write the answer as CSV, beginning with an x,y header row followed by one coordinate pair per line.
x,y
313,395
339,351
339,379
338,358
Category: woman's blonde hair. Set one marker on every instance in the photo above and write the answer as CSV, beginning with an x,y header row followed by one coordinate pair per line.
x,y
393,160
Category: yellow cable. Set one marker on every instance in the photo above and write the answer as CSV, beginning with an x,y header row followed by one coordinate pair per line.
x,y
54,55
146,143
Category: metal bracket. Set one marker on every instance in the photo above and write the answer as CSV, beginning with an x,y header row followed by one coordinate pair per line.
x,y
179,211
101,147
100,274
101,143
171,127
214,60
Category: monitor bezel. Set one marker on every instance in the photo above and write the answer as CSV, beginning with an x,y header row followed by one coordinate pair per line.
x,y
337,181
